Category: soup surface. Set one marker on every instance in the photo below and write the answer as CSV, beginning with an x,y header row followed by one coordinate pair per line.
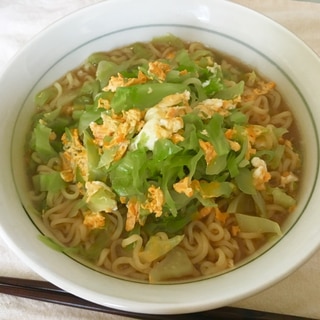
x,y
162,161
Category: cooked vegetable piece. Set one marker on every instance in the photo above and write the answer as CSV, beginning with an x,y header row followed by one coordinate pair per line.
x,y
175,265
151,139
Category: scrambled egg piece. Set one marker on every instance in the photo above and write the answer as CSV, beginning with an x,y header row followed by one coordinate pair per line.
x,y
155,201
153,204
163,120
208,149
203,212
132,121
94,220
184,186
261,88
106,129
253,132
133,207
74,157
104,104
265,87
260,173
287,178
176,138
118,127
234,145
235,230
119,81
159,69
207,108
221,216
116,130
229,133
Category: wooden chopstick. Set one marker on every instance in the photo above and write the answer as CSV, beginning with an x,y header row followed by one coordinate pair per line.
x,y
47,292
28,283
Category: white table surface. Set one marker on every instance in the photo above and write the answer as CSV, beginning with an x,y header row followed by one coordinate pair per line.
x,y
20,20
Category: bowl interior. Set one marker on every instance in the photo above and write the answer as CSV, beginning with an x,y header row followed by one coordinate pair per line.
x,y
259,43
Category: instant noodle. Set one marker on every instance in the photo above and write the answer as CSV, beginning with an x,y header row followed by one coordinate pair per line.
x,y
162,161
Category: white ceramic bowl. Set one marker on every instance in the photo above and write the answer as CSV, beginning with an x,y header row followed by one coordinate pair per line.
x,y
230,28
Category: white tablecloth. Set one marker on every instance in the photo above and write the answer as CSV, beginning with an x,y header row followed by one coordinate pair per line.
x,y
20,20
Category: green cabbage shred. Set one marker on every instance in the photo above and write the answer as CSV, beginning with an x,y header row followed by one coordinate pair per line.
x,y
229,175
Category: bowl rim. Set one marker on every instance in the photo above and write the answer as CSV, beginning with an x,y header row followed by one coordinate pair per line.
x,y
155,306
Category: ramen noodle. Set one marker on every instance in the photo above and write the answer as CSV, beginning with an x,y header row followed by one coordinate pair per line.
x,y
162,161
